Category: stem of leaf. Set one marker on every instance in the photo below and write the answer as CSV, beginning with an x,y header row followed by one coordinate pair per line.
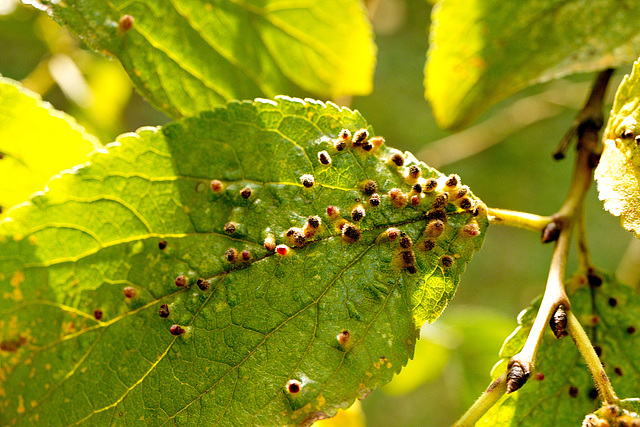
x,y
589,355
588,125
489,398
524,220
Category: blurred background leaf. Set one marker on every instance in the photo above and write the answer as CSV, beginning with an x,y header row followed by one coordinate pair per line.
x,y
484,51
36,142
187,56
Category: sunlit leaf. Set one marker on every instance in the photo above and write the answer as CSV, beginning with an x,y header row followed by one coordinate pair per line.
x,y
618,173
271,337
484,51
36,142
187,56
560,392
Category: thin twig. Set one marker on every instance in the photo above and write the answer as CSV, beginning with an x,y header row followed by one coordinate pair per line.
x,y
524,220
486,400
591,358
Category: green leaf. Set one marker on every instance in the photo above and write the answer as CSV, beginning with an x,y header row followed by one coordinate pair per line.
x,y
560,392
339,315
618,173
484,51
36,142
187,56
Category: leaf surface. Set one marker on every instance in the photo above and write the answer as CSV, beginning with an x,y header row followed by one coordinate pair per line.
x,y
565,393
277,338
484,51
36,142
618,173
187,56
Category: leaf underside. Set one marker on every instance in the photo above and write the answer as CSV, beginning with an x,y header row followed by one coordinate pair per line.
x,y
560,391
496,48
187,56
618,173
277,338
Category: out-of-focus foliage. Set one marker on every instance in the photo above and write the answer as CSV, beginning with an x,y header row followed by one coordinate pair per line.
x,y
618,172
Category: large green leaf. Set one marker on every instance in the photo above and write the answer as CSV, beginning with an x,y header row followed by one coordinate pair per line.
x,y
483,51
618,173
561,391
36,142
338,314
187,56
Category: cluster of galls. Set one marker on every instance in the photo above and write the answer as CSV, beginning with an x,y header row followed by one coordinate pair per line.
x,y
611,416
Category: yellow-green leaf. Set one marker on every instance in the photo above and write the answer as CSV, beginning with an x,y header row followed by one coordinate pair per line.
x,y
277,335
483,51
618,173
36,142
187,56
560,391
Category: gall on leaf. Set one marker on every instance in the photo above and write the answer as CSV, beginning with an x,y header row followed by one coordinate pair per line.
x,y
293,387
130,292
374,200
176,330
125,23
359,137
324,158
358,213
163,311
369,187
397,159
350,233
245,193
307,180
